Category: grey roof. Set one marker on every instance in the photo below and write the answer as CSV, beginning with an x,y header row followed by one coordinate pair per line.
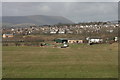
x,y
63,38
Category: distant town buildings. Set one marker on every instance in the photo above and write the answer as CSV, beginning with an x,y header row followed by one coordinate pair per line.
x,y
81,29
63,29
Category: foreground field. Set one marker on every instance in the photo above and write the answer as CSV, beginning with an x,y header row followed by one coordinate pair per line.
x,y
77,61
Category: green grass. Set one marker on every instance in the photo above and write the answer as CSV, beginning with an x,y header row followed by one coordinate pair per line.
x,y
77,61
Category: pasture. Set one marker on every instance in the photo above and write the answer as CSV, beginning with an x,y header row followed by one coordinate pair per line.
x,y
77,61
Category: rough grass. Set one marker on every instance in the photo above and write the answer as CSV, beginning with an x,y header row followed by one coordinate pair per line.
x,y
77,61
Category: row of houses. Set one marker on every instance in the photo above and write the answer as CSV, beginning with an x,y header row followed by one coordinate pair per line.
x,y
63,29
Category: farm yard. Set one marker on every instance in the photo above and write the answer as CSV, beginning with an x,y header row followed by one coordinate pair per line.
x,y
76,61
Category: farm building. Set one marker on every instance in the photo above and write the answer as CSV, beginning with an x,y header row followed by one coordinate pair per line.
x,y
116,39
94,40
75,41
61,40
7,35
66,40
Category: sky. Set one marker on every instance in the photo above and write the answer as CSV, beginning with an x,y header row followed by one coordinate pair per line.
x,y
59,0
73,10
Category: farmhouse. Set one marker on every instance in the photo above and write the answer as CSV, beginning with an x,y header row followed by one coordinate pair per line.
x,y
95,40
75,41
8,35
116,39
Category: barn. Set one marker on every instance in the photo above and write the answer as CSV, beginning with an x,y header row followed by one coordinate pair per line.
x,y
61,40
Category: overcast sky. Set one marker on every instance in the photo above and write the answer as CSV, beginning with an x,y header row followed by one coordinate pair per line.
x,y
75,11
59,0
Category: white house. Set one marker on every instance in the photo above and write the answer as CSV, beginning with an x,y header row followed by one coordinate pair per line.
x,y
116,39
94,40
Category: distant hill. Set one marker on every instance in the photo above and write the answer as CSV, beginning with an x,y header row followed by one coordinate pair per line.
x,y
115,21
35,19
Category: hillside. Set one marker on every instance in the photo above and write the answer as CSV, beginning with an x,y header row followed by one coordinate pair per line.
x,y
35,19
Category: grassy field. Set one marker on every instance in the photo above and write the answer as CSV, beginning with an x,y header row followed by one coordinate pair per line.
x,y
77,61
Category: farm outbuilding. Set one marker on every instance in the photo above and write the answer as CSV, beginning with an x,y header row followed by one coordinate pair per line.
x,y
94,40
75,41
66,40
61,40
